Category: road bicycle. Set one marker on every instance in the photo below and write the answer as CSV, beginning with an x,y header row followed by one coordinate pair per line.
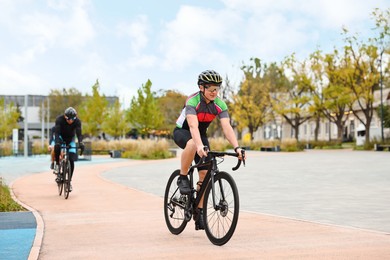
x,y
220,203
64,171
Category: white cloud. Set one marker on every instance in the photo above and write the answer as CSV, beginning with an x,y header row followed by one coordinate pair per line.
x,y
21,82
94,67
79,30
196,36
140,62
70,28
136,31
70,43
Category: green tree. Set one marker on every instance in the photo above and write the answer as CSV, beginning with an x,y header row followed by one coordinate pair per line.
x,y
115,123
58,100
170,103
92,111
317,107
365,72
251,103
362,78
9,119
382,22
294,100
333,98
143,113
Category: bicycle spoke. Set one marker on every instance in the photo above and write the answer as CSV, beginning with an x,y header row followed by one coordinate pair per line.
x,y
222,220
174,206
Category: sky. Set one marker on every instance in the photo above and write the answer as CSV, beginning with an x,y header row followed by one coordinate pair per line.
x,y
57,44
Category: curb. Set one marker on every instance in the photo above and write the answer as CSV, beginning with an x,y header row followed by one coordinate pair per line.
x,y
37,243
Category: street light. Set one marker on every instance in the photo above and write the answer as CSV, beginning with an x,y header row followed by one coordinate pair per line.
x,y
381,86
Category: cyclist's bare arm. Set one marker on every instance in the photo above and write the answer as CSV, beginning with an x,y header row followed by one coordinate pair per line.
x,y
230,135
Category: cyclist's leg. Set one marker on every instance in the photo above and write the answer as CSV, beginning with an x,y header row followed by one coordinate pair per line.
x,y
57,151
199,220
183,139
187,156
202,170
72,157
52,157
52,153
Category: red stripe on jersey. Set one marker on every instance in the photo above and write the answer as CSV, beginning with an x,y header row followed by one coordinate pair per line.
x,y
205,117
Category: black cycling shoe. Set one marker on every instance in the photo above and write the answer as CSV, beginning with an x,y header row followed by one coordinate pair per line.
x,y
199,222
184,185
52,166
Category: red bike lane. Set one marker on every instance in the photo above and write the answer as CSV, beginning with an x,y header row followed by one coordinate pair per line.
x,y
106,220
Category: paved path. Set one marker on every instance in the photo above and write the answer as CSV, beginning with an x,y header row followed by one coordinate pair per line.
x,y
103,219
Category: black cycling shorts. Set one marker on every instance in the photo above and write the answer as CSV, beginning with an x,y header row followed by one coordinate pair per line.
x,y
182,136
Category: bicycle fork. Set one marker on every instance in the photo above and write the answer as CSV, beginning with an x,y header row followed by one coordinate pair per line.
x,y
221,205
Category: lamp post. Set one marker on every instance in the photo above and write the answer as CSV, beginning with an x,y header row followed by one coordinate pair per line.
x,y
381,89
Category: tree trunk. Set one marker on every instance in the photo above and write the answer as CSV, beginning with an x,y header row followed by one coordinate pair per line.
x,y
317,129
340,128
296,129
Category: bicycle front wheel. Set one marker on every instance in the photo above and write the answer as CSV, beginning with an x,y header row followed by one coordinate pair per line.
x,y
60,178
221,220
67,170
174,206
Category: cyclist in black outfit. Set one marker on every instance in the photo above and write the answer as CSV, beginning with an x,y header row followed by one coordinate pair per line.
x,y
67,127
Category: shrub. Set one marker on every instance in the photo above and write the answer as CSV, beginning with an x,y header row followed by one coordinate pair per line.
x,y
6,148
6,201
325,144
37,147
219,144
254,145
290,145
146,149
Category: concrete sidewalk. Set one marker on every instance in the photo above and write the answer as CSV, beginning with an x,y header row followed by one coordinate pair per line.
x,y
105,220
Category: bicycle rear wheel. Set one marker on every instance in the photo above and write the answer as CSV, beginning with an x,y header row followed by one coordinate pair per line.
x,y
174,205
221,221
67,170
60,182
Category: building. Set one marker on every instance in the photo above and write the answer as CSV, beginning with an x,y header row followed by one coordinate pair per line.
x,y
280,129
38,127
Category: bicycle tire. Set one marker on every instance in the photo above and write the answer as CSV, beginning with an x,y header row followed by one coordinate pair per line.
x,y
174,215
60,183
67,170
221,223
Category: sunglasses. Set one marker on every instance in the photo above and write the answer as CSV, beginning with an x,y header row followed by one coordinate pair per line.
x,y
212,88
67,118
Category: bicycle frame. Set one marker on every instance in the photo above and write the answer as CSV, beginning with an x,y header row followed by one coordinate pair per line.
x,y
220,211
211,172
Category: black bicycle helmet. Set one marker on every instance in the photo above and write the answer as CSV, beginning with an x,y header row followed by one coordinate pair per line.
x,y
209,77
70,112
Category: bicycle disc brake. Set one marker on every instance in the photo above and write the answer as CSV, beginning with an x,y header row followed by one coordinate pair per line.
x,y
223,206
